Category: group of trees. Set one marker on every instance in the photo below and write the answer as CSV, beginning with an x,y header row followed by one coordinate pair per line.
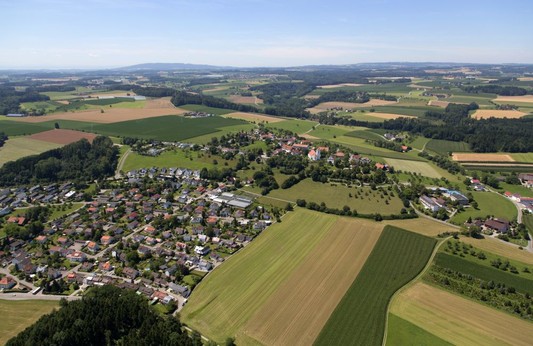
x,y
105,316
10,98
80,162
3,139
496,89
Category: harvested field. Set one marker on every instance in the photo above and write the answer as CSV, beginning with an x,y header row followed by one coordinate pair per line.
x,y
159,103
436,103
308,136
360,317
388,115
254,117
18,147
423,226
481,157
311,97
297,311
332,86
60,136
17,315
495,113
218,88
227,298
512,99
459,320
245,99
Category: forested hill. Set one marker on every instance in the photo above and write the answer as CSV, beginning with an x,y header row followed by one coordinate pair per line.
x,y
105,316
80,161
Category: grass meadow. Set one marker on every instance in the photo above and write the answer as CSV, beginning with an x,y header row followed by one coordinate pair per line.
x,y
488,204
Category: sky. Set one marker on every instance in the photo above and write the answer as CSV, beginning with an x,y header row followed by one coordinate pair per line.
x,y
250,33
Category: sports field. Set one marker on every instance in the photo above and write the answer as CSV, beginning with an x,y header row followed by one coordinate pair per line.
x,y
360,317
18,147
458,320
225,301
488,204
297,311
367,201
17,315
422,168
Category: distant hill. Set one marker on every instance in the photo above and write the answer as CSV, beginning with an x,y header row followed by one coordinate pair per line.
x,y
171,66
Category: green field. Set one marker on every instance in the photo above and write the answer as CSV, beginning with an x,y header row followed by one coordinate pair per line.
x,y
365,134
166,128
423,168
488,204
338,196
18,315
528,221
522,157
18,147
444,147
520,189
419,142
177,158
485,272
205,109
226,299
296,126
360,146
16,128
360,317
417,111
404,333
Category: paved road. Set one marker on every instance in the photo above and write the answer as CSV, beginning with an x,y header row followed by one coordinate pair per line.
x,y
29,296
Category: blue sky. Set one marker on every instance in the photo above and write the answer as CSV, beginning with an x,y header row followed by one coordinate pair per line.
x,y
112,33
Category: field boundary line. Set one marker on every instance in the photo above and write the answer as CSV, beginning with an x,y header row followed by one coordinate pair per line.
x,y
409,284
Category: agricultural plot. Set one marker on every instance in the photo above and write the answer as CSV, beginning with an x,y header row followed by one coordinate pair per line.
x,y
254,117
225,300
166,128
443,147
16,128
514,99
361,147
416,111
420,142
495,113
488,204
500,248
423,168
206,109
458,320
18,147
360,317
296,126
297,311
62,137
482,157
365,134
17,315
324,106
482,270
177,158
402,332
522,157
422,225
363,199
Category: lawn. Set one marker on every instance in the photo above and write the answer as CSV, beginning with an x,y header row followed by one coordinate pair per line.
x,y
458,320
175,158
206,109
227,298
488,204
337,196
20,314
365,134
444,147
419,142
522,282
166,128
520,189
402,332
528,221
18,147
360,317
57,212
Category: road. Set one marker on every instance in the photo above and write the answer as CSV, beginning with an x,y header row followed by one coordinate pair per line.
x,y
121,163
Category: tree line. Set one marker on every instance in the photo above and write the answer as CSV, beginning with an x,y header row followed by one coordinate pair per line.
x,y
496,89
80,162
10,98
181,98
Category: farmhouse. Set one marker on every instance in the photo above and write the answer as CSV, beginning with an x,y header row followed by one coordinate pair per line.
x,y
501,226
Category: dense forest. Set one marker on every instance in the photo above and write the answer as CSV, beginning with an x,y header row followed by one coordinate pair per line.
x,y
10,99
496,89
350,96
105,316
80,161
146,91
181,98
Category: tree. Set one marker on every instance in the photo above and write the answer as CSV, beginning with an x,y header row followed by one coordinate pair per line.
x,y
56,125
